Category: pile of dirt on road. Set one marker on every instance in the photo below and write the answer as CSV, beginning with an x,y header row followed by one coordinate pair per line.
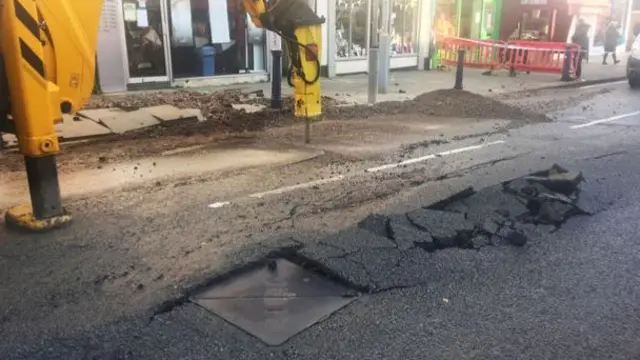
x,y
223,118
456,103
441,103
216,107
209,103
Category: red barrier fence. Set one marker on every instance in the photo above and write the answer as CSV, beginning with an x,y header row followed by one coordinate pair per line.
x,y
518,55
478,54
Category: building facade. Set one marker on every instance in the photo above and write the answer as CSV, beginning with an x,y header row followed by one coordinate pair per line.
x,y
471,19
545,20
350,30
183,43
555,20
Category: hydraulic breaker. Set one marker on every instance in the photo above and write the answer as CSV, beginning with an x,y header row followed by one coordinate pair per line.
x,y
305,78
48,61
300,28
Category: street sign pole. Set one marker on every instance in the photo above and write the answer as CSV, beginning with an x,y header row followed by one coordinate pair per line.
x,y
373,54
385,48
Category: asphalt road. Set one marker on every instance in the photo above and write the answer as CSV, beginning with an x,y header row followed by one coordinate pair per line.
x,y
94,291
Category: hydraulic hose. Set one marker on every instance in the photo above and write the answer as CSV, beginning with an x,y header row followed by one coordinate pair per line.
x,y
294,58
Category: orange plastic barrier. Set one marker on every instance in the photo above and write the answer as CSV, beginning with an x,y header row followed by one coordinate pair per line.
x,y
519,55
538,56
478,53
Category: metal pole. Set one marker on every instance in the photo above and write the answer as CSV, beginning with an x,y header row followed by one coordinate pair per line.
x,y
373,53
566,68
459,70
276,79
275,45
385,48
351,22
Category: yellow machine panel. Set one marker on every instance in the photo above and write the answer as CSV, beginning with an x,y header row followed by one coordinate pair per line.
x,y
47,68
48,63
305,83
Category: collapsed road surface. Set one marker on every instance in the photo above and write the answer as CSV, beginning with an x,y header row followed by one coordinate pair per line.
x,y
536,262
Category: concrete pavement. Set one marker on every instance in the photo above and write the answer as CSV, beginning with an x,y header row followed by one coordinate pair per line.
x,y
404,85
351,89
94,290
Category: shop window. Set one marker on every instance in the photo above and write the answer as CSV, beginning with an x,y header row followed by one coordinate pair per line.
x,y
213,37
445,24
404,21
351,28
534,25
143,37
617,19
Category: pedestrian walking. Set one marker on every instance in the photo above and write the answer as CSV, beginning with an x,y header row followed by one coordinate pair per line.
x,y
611,37
581,37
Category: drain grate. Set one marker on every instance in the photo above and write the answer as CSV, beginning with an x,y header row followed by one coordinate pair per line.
x,y
276,301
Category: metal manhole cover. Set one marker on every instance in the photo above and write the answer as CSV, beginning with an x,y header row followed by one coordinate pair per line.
x,y
275,302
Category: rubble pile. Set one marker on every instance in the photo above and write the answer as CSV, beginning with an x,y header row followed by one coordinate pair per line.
x,y
504,214
464,104
440,103
218,108
210,103
207,102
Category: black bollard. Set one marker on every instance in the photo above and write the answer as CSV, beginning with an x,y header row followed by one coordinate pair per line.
x,y
566,67
459,68
276,80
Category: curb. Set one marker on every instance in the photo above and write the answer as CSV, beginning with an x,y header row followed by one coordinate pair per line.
x,y
578,84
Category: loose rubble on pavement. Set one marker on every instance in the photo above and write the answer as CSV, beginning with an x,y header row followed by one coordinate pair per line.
x,y
223,117
178,116
390,251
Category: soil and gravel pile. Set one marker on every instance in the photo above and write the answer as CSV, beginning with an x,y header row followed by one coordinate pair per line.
x,y
209,103
441,103
222,117
464,104
216,107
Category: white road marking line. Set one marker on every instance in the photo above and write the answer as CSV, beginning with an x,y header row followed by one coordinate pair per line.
x,y
219,204
296,187
613,118
285,189
432,156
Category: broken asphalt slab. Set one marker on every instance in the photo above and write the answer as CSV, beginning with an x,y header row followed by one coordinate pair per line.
x,y
383,251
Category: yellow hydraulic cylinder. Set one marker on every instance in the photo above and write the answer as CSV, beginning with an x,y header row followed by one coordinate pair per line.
x,y
34,100
308,101
48,51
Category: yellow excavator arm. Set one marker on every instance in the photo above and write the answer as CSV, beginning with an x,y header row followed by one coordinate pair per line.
x,y
47,65
301,29
47,68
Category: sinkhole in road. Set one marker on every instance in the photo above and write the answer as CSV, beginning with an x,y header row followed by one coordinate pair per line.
x,y
276,299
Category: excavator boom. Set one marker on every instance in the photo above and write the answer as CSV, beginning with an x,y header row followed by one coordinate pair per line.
x,y
47,51
47,68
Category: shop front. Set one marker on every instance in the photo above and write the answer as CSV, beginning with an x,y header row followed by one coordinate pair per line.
x,y
353,28
471,19
160,43
600,14
556,20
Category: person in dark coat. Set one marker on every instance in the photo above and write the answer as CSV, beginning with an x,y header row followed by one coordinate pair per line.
x,y
581,37
610,43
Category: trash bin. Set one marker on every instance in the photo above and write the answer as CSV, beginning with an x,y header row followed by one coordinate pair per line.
x,y
208,58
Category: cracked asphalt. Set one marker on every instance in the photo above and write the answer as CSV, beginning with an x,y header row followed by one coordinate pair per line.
x,y
113,285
